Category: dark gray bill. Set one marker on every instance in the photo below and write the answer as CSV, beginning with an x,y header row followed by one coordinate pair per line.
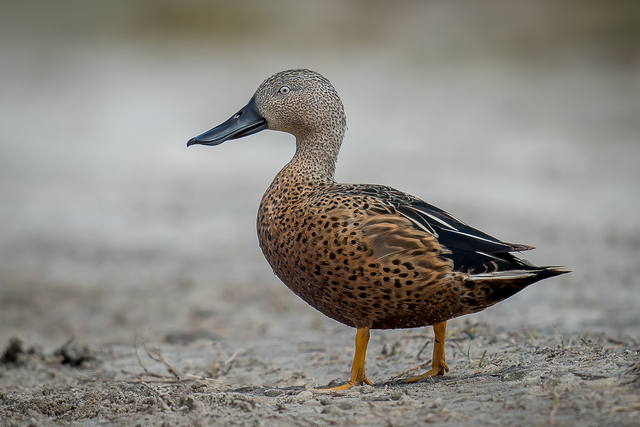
x,y
245,122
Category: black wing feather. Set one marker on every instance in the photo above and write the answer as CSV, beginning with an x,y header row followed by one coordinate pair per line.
x,y
471,250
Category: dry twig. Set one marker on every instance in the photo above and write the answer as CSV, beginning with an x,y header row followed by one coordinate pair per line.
x,y
170,368
214,366
135,347
422,349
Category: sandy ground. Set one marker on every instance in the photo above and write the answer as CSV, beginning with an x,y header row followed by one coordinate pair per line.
x,y
113,235
506,380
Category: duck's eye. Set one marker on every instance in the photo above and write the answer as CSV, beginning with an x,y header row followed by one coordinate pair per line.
x,y
284,90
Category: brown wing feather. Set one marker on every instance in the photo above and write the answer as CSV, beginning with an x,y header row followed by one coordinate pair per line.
x,y
394,238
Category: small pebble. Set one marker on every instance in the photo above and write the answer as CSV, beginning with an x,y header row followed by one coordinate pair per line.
x,y
272,392
304,396
332,410
529,381
345,406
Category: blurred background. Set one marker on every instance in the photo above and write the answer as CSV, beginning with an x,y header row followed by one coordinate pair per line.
x,y
520,118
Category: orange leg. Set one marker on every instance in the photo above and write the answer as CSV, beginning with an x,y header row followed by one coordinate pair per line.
x,y
357,369
438,366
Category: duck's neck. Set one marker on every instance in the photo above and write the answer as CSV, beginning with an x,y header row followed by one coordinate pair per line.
x,y
315,160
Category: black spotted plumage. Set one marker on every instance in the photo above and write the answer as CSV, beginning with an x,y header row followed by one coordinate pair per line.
x,y
369,256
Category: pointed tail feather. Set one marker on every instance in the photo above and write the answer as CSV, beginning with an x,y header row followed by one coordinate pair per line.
x,y
487,289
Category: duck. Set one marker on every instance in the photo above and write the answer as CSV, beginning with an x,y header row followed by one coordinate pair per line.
x,y
366,255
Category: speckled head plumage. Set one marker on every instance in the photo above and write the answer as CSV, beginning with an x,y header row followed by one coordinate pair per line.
x,y
368,256
301,102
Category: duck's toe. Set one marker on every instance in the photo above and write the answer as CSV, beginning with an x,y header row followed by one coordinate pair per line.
x,y
348,385
440,369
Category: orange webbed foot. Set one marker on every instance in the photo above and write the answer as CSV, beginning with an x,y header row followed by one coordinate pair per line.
x,y
440,369
348,385
438,366
357,369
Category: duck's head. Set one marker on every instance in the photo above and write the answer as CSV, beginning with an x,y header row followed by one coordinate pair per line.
x,y
300,102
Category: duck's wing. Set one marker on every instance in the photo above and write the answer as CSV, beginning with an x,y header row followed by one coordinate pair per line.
x,y
471,251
